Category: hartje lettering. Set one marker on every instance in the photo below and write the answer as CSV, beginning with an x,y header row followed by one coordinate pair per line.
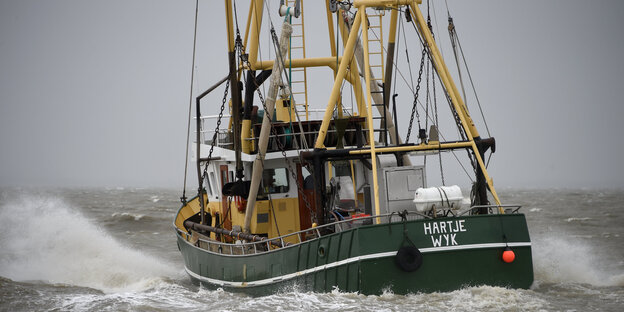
x,y
443,233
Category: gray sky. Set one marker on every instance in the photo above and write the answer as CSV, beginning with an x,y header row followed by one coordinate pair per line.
x,y
95,93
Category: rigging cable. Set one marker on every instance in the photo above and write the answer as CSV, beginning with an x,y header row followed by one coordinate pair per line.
x,y
275,42
400,73
414,106
279,57
398,42
291,98
429,55
395,62
440,134
446,94
422,62
428,74
435,105
451,29
409,65
471,81
188,127
435,101
288,162
454,38
435,17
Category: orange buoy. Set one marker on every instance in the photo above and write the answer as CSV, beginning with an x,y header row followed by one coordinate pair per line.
x,y
508,255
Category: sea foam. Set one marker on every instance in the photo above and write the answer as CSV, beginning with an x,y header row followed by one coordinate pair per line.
x,y
43,238
559,258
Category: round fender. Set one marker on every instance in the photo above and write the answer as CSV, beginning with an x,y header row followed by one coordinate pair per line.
x,y
408,258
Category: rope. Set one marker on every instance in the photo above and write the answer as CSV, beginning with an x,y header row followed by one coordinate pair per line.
x,y
403,216
275,42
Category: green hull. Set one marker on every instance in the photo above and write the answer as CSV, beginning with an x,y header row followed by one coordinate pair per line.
x,y
456,252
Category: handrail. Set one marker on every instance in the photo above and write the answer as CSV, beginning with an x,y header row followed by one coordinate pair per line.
x,y
491,206
315,230
222,131
204,117
222,142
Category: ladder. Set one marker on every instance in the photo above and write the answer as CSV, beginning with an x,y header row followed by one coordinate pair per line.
x,y
298,78
376,55
375,44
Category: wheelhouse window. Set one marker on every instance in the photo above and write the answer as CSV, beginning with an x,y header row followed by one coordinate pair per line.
x,y
275,180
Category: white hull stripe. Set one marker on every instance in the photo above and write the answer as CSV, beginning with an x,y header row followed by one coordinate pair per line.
x,y
345,261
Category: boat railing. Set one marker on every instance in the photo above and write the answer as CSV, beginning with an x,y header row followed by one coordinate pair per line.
x,y
272,244
319,113
492,209
225,137
207,132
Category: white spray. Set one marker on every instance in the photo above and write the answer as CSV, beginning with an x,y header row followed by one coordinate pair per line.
x,y
45,239
557,258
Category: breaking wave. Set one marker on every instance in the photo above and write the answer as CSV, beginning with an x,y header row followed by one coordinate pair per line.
x,y
126,216
557,259
43,238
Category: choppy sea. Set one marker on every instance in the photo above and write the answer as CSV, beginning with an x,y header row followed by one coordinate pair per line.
x,y
115,250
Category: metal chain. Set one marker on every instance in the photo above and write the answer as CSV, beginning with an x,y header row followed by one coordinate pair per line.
x,y
238,46
414,110
288,161
216,131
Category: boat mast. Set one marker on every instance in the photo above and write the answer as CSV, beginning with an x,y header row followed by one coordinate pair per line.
x,y
369,107
376,91
456,99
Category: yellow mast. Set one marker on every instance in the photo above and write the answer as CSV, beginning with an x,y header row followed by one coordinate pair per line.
x,y
340,76
341,72
255,64
458,103
456,99
354,72
369,108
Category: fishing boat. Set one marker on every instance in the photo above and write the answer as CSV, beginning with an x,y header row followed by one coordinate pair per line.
x,y
340,200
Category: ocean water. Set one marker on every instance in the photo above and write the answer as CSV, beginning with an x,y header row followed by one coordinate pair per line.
x,y
115,250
